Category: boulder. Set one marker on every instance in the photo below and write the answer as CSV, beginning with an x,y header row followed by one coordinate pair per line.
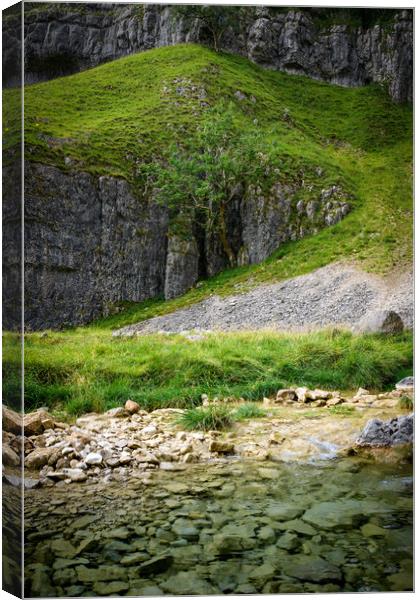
x,y
334,401
342,514
221,447
381,321
103,588
131,407
187,583
311,568
41,457
158,564
10,458
286,395
319,394
12,421
395,432
35,423
406,384
302,394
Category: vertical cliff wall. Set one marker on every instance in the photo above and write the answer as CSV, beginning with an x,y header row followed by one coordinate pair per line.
x,y
91,242
64,38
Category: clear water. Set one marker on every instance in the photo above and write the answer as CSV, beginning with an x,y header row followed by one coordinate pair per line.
x,y
233,527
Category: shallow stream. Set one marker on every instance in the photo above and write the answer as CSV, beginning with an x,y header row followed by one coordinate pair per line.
x,y
225,527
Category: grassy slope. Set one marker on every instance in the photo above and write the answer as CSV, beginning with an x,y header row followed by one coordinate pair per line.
x,y
108,118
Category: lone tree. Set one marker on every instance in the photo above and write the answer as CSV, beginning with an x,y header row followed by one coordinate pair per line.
x,y
201,176
216,20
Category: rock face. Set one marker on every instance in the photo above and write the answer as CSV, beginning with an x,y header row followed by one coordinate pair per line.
x,y
63,39
395,432
91,242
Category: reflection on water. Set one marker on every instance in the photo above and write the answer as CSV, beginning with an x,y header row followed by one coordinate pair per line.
x,y
233,527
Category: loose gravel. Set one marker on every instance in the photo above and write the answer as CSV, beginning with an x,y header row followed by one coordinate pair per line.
x,y
335,295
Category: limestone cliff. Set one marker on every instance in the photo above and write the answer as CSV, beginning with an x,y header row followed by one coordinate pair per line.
x,y
64,38
91,243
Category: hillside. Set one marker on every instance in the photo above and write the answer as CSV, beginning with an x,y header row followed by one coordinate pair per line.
x,y
315,151
101,127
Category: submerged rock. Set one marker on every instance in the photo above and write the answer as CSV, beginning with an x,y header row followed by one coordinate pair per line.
x,y
156,565
311,568
187,583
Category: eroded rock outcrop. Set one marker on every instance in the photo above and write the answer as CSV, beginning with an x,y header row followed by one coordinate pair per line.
x,y
92,242
383,434
61,39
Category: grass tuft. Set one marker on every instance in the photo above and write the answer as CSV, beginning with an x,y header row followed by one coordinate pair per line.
x,y
342,410
215,417
248,411
406,403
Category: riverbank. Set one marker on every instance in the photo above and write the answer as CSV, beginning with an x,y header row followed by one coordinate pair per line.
x,y
129,443
300,500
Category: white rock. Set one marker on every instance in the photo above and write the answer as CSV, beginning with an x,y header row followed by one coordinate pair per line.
x,y
149,430
76,475
301,393
93,458
362,392
67,450
125,458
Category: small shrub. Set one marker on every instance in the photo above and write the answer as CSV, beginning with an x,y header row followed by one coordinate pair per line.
x,y
212,417
406,403
248,411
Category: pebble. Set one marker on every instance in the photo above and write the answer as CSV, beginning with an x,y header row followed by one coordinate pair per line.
x,y
93,458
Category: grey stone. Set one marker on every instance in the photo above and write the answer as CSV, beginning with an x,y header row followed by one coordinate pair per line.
x,y
93,458
395,432
310,568
187,583
381,321
283,511
102,573
113,587
407,382
288,541
343,514
185,529
158,564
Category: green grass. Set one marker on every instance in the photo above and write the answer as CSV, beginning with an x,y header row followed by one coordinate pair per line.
x,y
111,119
214,418
88,369
345,411
248,411
406,403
